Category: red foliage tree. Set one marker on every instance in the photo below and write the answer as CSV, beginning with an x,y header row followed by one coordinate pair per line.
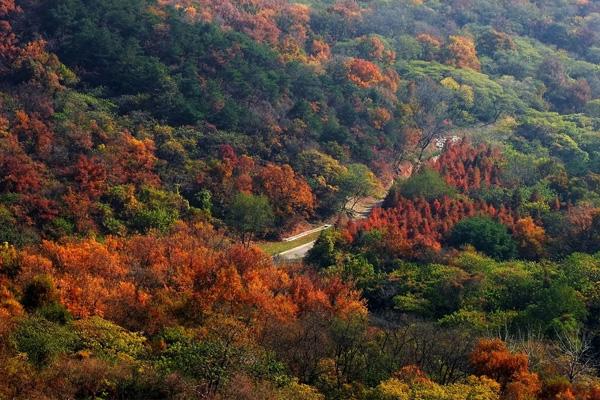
x,y
412,226
364,73
288,192
90,176
491,358
143,282
18,172
34,133
9,49
467,167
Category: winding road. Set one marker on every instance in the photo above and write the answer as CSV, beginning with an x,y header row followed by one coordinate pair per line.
x,y
362,210
296,253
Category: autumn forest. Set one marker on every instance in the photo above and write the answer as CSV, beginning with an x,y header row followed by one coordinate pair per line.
x,y
311,200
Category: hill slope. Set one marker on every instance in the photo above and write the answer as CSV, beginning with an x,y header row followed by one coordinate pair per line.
x,y
146,144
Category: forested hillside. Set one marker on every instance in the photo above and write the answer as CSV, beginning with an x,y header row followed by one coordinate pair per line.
x,y
148,146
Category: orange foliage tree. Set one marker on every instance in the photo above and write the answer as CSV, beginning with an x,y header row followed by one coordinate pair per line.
x,y
492,358
289,194
145,282
414,225
363,73
319,51
131,160
462,53
374,48
430,45
563,390
530,238
349,9
379,117
467,167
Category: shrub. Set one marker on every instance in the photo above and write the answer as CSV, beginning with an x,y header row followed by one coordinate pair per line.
x,y
109,341
427,184
486,235
39,292
43,340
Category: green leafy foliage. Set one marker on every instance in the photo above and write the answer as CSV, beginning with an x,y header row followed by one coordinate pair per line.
x,y
109,341
427,184
40,292
43,340
250,215
485,235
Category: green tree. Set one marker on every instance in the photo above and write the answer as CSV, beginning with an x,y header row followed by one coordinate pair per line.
x,y
109,341
40,292
355,184
158,209
43,340
356,269
323,173
325,251
204,200
486,235
427,184
250,215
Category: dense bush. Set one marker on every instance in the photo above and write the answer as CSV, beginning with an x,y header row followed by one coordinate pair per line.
x,y
486,235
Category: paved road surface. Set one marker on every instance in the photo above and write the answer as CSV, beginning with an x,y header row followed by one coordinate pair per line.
x,y
296,253
300,235
362,210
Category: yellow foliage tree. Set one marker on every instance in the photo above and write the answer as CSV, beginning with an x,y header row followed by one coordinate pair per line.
x,y
462,53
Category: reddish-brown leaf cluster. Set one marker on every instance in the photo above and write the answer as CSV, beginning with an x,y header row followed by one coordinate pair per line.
x,y
492,358
462,53
33,165
34,133
364,73
145,282
414,225
289,194
467,167
18,172
9,49
278,23
57,166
